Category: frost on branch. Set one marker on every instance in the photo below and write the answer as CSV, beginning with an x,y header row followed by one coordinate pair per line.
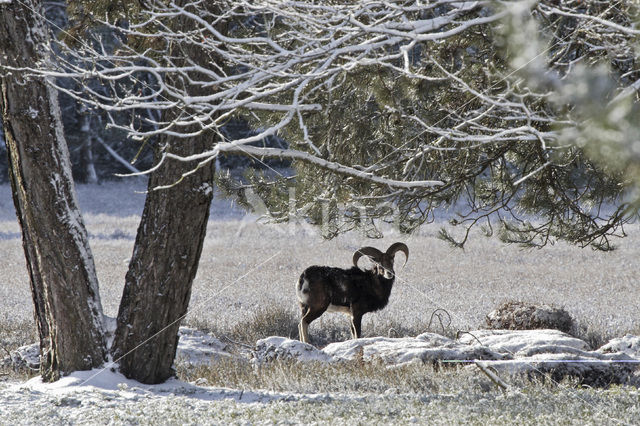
x,y
396,108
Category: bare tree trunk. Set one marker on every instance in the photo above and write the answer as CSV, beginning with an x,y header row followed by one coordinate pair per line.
x,y
87,153
166,254
61,268
164,264
87,158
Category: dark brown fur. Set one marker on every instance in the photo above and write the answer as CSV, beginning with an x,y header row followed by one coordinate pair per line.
x,y
352,291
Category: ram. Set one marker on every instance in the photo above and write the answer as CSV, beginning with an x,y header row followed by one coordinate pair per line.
x,y
351,291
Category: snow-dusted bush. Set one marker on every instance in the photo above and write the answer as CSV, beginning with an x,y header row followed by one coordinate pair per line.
x,y
24,360
516,315
271,321
19,358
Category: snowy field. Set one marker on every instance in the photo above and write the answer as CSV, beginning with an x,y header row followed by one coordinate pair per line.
x,y
248,269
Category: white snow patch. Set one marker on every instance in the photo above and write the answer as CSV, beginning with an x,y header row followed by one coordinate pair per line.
x,y
629,345
434,339
276,347
196,347
512,351
397,351
556,353
27,356
104,383
109,324
593,368
104,379
524,342
206,188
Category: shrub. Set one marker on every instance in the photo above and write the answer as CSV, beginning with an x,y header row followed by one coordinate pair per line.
x,y
515,315
274,321
15,334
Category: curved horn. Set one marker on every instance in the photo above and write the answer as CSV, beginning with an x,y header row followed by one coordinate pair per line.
x,y
366,251
396,247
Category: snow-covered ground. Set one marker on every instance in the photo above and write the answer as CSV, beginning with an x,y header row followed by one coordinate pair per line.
x,y
247,268
507,351
106,397
102,396
113,400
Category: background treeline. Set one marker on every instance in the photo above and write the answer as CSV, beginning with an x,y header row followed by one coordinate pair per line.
x,y
99,153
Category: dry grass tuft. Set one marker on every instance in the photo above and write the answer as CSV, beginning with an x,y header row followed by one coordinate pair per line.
x,y
514,315
314,377
14,334
594,335
273,321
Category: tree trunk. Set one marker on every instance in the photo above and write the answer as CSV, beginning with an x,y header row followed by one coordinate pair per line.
x,y
163,266
88,165
62,273
167,251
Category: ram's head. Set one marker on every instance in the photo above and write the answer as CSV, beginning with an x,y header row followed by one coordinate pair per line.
x,y
383,262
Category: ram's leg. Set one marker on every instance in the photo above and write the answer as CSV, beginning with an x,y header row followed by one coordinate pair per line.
x,y
303,326
356,325
309,314
303,331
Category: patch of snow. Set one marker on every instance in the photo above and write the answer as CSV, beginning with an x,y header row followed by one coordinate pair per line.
x,y
524,342
27,356
281,348
396,351
543,352
434,339
33,113
554,353
591,368
106,384
206,188
104,379
109,324
196,347
629,345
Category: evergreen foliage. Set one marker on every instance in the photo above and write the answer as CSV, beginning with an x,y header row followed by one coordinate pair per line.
x,y
523,110
555,166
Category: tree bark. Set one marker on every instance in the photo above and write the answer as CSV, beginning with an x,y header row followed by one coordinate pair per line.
x,y
163,266
167,251
88,164
61,269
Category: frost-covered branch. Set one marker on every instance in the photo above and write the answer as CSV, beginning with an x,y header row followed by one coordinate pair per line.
x,y
258,57
422,103
310,159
